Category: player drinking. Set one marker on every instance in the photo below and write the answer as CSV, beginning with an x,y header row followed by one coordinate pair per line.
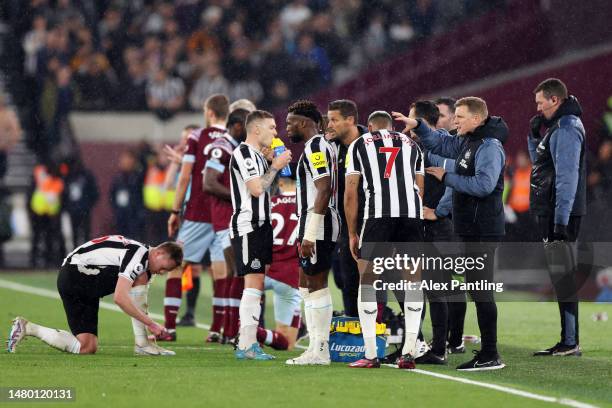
x,y
251,231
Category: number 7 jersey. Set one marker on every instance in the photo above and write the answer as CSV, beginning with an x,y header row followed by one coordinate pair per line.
x,y
388,162
319,159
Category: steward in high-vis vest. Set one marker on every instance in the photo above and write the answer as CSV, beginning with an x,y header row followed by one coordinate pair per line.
x,y
45,204
156,200
46,198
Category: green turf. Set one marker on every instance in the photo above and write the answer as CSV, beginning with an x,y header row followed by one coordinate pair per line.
x,y
203,375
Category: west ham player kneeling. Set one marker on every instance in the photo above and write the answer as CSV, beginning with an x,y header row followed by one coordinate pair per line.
x,y
111,264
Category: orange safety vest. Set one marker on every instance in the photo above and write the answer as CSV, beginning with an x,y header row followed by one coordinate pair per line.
x,y
46,199
153,189
521,184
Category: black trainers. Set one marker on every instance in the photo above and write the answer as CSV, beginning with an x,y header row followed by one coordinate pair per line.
x,y
186,321
431,358
481,362
460,349
560,350
391,358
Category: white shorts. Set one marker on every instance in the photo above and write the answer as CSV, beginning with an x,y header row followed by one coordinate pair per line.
x,y
286,302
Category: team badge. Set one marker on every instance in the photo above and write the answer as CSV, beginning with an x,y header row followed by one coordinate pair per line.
x,y
255,264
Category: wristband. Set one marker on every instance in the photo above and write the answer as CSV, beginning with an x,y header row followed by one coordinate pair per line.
x,y
176,212
312,226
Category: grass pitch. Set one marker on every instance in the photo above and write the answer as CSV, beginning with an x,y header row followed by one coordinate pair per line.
x,y
203,375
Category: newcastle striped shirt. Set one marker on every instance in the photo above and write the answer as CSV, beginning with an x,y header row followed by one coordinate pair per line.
x,y
97,264
388,163
318,160
249,212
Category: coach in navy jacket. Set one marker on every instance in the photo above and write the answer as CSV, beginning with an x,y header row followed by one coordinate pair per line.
x,y
478,213
558,198
478,180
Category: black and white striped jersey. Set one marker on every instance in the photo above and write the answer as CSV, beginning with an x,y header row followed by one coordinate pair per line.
x,y
388,163
97,264
249,212
319,159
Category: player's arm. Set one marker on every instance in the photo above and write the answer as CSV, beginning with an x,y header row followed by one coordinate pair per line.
x,y
216,164
181,189
316,158
419,172
351,194
122,299
212,185
175,158
257,185
420,182
351,199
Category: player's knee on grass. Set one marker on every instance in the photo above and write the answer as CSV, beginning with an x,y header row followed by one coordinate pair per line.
x,y
89,343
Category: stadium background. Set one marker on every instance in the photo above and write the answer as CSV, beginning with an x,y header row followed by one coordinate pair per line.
x,y
76,72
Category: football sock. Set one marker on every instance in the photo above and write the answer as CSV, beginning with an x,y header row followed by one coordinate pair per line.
x,y
412,316
272,338
368,309
305,295
250,308
236,289
138,295
217,305
321,309
60,339
226,305
192,296
172,302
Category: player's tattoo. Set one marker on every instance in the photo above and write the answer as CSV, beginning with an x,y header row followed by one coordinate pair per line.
x,y
268,178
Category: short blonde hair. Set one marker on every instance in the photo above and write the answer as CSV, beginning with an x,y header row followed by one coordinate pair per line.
x,y
242,104
475,105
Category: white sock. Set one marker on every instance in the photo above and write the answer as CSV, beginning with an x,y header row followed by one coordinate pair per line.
x,y
250,308
368,309
322,312
60,339
412,316
269,337
305,295
138,295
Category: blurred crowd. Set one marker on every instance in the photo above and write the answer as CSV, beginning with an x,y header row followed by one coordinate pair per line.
x,y
169,55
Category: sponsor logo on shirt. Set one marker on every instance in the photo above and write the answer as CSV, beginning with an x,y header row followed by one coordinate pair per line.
x,y
318,160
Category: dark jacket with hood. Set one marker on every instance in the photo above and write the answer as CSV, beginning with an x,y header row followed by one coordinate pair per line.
x,y
478,180
558,175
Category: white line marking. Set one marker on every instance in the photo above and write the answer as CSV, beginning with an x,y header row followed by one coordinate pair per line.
x,y
109,306
54,295
526,394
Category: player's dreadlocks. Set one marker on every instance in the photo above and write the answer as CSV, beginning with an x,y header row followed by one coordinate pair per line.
x,y
308,109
